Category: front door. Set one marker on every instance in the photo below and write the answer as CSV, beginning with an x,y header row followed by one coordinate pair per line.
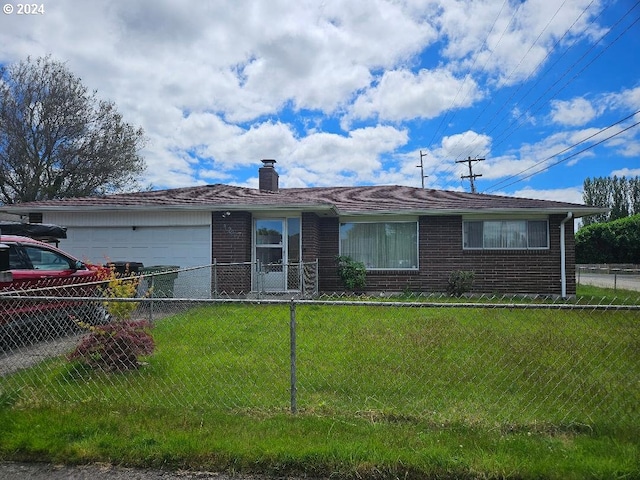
x,y
277,254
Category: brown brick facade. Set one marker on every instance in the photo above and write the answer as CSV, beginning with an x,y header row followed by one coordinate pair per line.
x,y
440,253
231,244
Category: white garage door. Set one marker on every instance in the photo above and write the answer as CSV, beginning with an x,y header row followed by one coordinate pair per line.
x,y
183,246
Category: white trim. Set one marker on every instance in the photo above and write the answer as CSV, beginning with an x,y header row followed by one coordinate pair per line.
x,y
563,260
284,246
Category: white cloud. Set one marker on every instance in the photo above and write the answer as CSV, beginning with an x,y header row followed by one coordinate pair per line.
x,y
333,159
571,194
626,172
219,85
576,112
510,40
402,95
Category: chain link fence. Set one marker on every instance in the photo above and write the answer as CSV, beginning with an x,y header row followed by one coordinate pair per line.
x,y
502,361
614,276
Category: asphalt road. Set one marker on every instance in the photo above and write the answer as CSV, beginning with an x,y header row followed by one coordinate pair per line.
x,y
623,282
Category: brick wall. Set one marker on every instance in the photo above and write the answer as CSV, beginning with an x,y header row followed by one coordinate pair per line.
x,y
440,253
231,243
310,237
328,250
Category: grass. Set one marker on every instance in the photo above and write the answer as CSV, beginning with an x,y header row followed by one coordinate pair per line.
x,y
382,393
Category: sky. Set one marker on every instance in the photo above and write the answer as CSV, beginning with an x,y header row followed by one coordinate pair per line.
x,y
359,92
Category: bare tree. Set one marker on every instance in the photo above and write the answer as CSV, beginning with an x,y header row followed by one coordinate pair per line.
x,y
59,140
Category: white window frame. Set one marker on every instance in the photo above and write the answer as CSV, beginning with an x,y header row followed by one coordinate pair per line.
x,y
511,219
383,220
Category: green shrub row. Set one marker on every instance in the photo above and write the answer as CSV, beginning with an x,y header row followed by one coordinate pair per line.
x,y
613,242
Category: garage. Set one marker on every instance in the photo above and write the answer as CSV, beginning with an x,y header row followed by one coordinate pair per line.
x,y
183,246
168,238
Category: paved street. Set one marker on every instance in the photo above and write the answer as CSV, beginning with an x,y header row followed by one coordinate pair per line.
x,y
619,281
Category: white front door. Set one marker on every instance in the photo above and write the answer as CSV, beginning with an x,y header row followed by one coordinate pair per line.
x,y
277,254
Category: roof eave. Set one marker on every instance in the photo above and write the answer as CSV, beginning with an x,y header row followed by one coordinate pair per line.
x,y
577,210
136,208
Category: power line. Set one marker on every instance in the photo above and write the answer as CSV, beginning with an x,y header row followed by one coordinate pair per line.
x,y
471,175
506,134
546,167
540,76
475,59
559,41
548,94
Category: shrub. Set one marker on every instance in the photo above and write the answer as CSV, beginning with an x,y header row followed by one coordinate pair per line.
x,y
612,242
119,344
352,273
460,282
115,346
117,286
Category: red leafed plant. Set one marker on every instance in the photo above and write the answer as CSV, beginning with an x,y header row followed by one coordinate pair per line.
x,y
115,346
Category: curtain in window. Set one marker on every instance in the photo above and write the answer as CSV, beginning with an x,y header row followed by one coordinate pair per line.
x,y
512,234
505,234
381,245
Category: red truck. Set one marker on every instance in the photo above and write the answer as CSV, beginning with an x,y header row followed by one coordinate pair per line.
x,y
30,268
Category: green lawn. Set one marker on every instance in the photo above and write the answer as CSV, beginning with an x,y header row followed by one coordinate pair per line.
x,y
382,392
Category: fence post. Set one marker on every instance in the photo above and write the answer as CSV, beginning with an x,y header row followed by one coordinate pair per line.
x,y
215,278
151,286
292,336
316,280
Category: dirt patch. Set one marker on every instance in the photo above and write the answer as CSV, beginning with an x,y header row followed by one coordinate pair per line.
x,y
41,471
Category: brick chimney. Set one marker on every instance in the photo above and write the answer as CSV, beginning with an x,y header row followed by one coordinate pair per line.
x,y
268,177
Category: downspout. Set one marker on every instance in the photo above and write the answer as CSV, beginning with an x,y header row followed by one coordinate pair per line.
x,y
563,256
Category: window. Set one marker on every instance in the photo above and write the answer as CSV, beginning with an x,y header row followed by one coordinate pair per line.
x,y
381,245
506,234
29,257
42,259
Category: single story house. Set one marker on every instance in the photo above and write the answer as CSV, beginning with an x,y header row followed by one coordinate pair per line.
x,y
410,239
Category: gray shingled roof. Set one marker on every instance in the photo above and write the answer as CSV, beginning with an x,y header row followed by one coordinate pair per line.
x,y
339,200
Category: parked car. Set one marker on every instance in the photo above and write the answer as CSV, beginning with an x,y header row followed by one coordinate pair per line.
x,y
40,269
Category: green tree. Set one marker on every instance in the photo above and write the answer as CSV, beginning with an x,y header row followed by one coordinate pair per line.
x,y
59,140
619,194
619,198
634,194
596,193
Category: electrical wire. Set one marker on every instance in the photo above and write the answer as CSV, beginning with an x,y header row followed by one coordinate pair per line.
x,y
520,122
546,167
506,134
541,76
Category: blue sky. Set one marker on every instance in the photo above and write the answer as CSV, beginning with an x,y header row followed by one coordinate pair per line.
x,y
349,92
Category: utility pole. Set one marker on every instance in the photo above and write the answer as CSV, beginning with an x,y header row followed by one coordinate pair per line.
x,y
421,167
471,175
